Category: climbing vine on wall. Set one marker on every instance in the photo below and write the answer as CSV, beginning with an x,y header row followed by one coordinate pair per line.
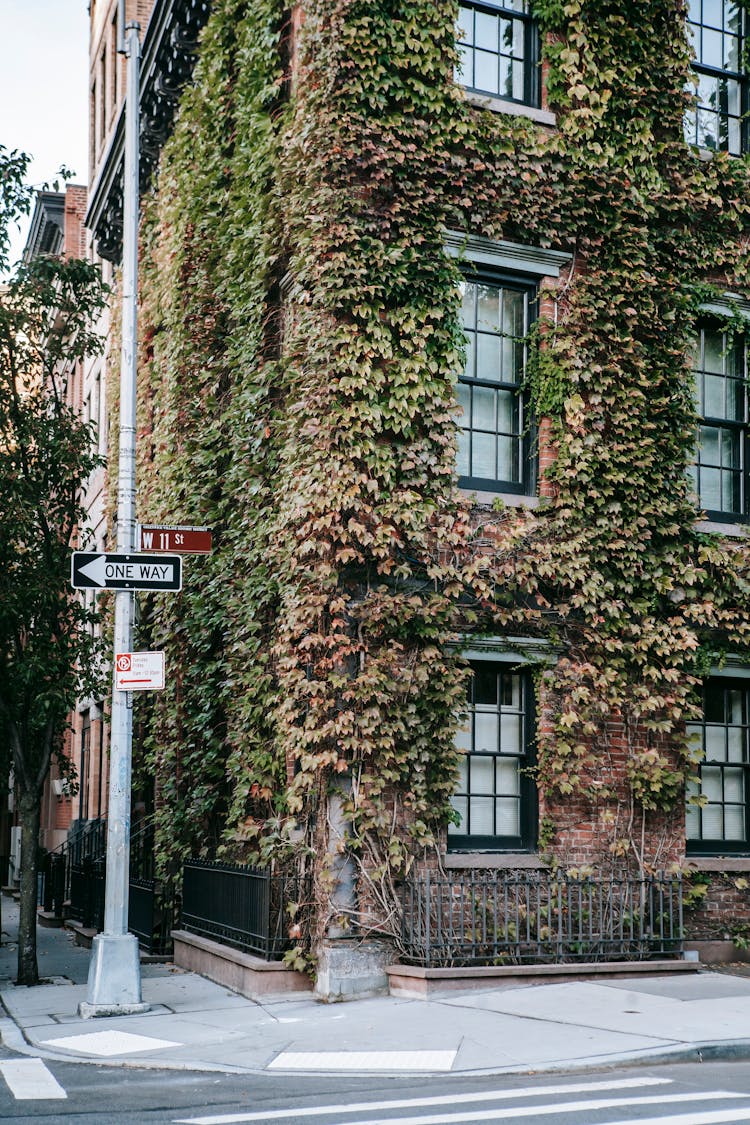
x,y
301,344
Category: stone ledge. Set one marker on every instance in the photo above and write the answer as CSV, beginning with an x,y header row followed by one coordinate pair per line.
x,y
719,863
83,935
241,972
418,982
49,920
718,952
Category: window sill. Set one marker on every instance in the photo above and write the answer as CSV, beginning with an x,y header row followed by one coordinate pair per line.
x,y
515,109
717,527
510,499
458,861
719,863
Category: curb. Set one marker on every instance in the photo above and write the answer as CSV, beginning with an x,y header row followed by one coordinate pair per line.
x,y
12,1037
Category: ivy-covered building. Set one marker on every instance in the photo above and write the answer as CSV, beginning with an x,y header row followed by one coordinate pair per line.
x,y
443,315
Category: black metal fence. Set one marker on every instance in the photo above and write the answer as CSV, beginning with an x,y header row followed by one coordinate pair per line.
x,y
86,869
73,879
245,907
151,900
493,918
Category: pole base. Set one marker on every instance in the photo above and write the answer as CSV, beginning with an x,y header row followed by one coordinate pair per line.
x,y
114,984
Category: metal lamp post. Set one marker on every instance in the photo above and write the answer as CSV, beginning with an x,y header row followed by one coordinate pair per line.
x,y
114,982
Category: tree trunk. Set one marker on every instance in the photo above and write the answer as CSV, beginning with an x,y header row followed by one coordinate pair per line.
x,y
28,970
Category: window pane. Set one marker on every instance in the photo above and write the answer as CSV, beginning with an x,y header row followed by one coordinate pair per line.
x,y
734,824
711,779
482,775
507,459
713,823
461,805
489,357
510,734
716,750
506,811
483,456
486,76
713,396
481,814
466,24
692,822
463,466
508,779
511,693
485,731
733,786
463,739
485,683
483,417
486,31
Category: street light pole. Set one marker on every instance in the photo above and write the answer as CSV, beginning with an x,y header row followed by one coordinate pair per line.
x,y
114,982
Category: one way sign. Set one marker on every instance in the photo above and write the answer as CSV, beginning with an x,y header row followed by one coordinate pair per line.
x,y
125,572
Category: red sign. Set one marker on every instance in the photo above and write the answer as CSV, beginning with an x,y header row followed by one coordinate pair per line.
x,y
176,540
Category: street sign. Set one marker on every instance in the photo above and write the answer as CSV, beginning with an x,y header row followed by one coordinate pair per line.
x,y
125,572
180,540
139,671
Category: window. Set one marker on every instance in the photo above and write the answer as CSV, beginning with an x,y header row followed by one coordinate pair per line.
x,y
493,446
719,472
717,30
495,799
722,823
497,43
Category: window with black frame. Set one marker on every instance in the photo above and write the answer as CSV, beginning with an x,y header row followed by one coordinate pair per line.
x,y
493,440
720,469
717,34
720,822
495,799
498,50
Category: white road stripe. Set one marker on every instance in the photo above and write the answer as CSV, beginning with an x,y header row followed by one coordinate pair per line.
x,y
562,1107
710,1117
449,1099
30,1080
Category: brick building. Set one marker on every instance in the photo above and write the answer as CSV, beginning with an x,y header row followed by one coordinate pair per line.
x,y
371,194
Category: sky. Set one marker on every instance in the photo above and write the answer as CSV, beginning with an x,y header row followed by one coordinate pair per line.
x,y
43,88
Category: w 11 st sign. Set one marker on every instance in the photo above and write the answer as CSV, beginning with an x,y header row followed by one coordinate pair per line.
x,y
125,572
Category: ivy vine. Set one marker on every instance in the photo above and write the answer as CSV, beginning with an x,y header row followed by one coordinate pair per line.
x,y
301,343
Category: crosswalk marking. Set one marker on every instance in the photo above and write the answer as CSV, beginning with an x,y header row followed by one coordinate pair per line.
x,y
30,1080
515,1112
363,1060
709,1117
450,1099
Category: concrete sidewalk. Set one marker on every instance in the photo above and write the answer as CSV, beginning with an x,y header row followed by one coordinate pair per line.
x,y
194,1024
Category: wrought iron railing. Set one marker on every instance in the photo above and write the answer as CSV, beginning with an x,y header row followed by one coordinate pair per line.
x,y
151,899
85,874
73,879
496,918
247,908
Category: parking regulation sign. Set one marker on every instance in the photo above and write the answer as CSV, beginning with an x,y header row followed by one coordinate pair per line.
x,y
139,671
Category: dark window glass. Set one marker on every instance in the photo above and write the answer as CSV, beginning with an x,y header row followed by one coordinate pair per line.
x,y
492,446
720,469
716,120
495,797
498,48
721,823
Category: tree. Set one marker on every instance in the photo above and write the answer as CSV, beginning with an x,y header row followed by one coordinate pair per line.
x,y
49,647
